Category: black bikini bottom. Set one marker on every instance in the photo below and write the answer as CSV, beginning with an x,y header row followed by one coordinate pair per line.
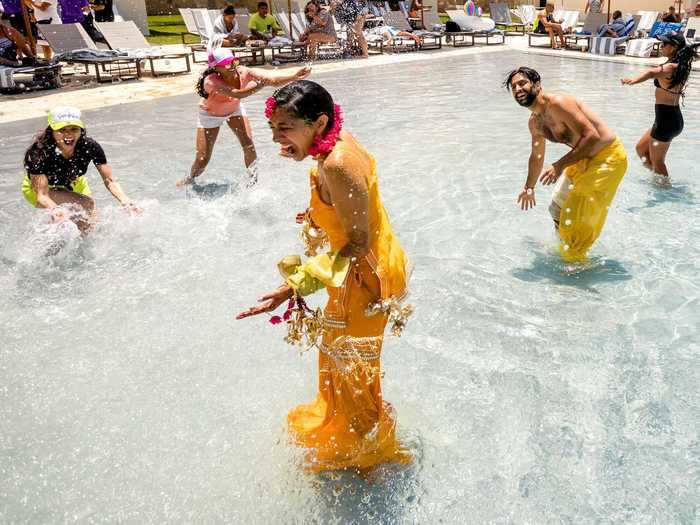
x,y
668,123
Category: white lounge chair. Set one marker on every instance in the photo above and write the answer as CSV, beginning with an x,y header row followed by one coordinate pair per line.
x,y
125,36
500,14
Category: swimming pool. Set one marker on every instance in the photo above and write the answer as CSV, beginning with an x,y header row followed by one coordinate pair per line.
x,y
529,395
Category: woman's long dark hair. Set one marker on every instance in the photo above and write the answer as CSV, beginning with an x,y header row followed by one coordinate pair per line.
x,y
684,58
199,87
306,100
44,143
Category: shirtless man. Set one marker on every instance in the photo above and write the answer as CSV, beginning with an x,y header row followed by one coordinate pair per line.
x,y
587,176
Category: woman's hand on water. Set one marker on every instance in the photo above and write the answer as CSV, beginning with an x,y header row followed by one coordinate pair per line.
x,y
526,199
132,209
626,81
59,214
269,302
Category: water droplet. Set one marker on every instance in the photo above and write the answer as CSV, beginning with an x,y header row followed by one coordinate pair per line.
x,y
655,143
644,159
566,247
567,222
568,210
539,156
571,187
590,199
537,144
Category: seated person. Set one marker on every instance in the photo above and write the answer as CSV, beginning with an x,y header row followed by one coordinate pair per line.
x,y
320,28
12,47
671,16
614,28
226,25
546,25
262,24
388,33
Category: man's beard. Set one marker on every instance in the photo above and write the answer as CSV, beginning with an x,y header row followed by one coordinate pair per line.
x,y
529,99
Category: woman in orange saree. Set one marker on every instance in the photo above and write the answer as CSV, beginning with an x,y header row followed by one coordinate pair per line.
x,y
349,424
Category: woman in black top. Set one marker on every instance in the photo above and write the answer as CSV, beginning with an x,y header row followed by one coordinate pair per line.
x,y
670,80
56,164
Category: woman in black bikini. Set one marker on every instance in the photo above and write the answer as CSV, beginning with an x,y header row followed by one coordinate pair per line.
x,y
670,80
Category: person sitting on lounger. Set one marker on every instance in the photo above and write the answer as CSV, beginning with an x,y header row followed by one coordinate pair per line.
x,y
262,24
12,45
55,166
614,28
320,29
586,177
226,25
546,25
671,16
388,33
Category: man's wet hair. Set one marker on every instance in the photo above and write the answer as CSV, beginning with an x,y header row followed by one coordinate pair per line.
x,y
532,75
229,10
262,4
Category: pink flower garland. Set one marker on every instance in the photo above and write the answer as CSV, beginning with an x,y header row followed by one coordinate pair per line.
x,y
270,106
323,144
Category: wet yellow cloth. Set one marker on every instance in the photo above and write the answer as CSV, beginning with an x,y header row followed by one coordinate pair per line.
x,y
593,186
326,269
349,425
80,185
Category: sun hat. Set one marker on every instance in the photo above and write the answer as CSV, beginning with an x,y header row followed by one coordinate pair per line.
x,y
673,38
63,116
221,57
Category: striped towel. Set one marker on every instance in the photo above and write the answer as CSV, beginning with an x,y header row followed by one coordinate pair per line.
x,y
605,45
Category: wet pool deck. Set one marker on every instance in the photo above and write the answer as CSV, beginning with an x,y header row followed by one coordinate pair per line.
x,y
90,95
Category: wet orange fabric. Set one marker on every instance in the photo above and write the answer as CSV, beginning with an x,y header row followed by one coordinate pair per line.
x,y
349,425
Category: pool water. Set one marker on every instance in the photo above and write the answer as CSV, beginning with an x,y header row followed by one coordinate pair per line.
x,y
528,393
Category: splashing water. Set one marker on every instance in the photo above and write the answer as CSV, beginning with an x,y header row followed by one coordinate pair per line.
x,y
528,393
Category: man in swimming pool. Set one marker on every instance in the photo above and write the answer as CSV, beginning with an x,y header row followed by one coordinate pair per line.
x,y
586,177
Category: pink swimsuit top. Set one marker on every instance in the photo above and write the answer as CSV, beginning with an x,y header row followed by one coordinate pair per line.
x,y
218,105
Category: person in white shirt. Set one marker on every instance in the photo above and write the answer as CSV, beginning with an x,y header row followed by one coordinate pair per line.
x,y
46,12
226,26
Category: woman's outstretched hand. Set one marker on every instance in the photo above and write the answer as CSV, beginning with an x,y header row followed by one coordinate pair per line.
x,y
269,302
303,72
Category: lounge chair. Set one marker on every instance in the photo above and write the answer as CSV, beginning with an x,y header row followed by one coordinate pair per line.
x,y
470,26
647,20
125,36
286,49
692,30
613,46
188,19
640,47
30,78
568,20
428,39
432,22
501,16
72,44
334,50
590,29
527,13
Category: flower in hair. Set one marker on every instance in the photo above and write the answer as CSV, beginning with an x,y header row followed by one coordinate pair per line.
x,y
324,144
270,106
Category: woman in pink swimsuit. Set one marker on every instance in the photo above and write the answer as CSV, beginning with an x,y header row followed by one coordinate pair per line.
x,y
222,86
